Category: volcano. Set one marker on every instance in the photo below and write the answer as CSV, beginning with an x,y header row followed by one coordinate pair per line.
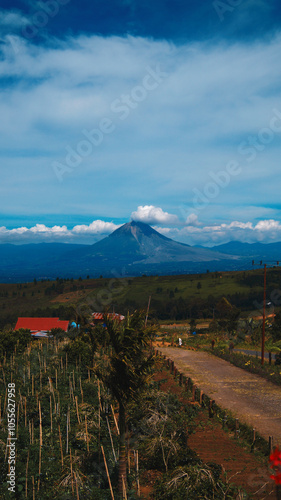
x,y
137,244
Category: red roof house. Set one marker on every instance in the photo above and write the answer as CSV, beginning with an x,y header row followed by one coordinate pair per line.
x,y
41,324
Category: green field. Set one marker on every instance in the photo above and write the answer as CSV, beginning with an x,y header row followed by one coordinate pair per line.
x,y
172,297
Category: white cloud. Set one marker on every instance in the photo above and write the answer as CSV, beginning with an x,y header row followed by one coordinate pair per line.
x,y
195,233
190,126
96,227
12,19
41,233
192,220
153,215
265,231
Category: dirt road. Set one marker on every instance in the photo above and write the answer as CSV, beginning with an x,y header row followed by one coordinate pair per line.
x,y
252,399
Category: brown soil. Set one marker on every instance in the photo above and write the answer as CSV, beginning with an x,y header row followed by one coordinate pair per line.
x,y
213,444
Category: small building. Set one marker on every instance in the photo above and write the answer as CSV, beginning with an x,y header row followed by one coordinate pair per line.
x,y
40,327
98,318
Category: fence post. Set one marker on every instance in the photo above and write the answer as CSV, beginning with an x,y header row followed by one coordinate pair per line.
x,y
237,428
270,444
254,439
211,411
193,392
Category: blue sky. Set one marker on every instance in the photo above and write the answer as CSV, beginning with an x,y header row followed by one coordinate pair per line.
x,y
164,112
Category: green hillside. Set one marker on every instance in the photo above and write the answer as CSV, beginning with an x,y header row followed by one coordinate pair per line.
x,y
172,297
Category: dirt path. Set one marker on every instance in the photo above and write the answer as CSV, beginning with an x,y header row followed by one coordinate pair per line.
x,y
252,399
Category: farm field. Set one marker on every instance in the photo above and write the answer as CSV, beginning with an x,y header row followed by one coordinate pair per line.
x,y
66,429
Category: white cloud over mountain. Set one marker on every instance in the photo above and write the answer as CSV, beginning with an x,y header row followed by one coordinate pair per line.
x,y
153,215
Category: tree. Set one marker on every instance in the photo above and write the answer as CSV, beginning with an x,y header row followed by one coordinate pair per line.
x,y
127,371
276,327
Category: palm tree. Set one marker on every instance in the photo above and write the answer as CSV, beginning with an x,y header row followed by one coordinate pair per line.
x,y
127,371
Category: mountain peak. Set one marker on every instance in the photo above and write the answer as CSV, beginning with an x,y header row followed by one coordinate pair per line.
x,y
137,229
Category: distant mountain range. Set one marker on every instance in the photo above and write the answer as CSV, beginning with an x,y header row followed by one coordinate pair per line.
x,y
132,250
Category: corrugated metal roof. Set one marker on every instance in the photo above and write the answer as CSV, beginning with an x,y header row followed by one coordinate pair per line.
x,y
41,324
97,315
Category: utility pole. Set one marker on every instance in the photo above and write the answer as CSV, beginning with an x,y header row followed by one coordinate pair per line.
x,y
264,306
263,316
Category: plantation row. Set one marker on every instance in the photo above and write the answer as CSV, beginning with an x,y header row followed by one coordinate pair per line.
x,y
89,421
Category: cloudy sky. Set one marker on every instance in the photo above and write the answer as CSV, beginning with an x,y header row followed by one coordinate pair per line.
x,y
164,112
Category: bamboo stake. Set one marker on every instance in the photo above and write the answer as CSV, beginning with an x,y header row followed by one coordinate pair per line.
x,y
71,472
51,415
73,380
56,378
137,467
115,420
25,417
39,472
32,385
99,394
67,431
70,388
81,390
107,473
76,483
4,380
86,429
26,477
61,452
77,410
40,381
40,423
33,488
111,440
32,432
124,489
